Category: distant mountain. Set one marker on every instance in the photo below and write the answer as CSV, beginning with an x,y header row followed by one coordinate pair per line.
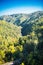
x,y
21,19
21,38
26,21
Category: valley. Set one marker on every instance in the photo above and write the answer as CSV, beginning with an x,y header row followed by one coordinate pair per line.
x,y
21,38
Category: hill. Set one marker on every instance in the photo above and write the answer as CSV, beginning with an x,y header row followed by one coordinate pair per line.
x,y
8,29
21,19
26,21
21,38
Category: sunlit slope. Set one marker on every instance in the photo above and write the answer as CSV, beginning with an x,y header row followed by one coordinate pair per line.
x,y
9,30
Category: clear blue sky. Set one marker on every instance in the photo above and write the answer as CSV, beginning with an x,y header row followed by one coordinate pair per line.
x,y
7,5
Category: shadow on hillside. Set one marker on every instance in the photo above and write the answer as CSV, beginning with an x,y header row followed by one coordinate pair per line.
x,y
26,29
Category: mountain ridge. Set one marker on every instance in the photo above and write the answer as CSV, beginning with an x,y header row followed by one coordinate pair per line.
x,y
21,39
26,21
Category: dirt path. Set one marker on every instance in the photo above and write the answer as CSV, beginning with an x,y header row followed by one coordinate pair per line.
x,y
9,63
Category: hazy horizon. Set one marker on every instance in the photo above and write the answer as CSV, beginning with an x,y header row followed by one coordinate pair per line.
x,y
8,7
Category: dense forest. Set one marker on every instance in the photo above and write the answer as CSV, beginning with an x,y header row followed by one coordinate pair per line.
x,y
21,39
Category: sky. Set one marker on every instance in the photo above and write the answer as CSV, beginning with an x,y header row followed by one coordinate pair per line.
x,y
8,7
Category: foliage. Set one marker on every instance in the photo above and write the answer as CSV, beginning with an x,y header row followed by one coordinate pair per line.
x,y
23,50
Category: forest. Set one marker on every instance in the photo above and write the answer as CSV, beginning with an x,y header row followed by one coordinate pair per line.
x,y
22,42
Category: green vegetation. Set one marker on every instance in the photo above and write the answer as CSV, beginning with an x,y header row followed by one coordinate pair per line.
x,y
23,50
9,35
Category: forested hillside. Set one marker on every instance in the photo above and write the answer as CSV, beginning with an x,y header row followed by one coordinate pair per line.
x,y
21,39
22,19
